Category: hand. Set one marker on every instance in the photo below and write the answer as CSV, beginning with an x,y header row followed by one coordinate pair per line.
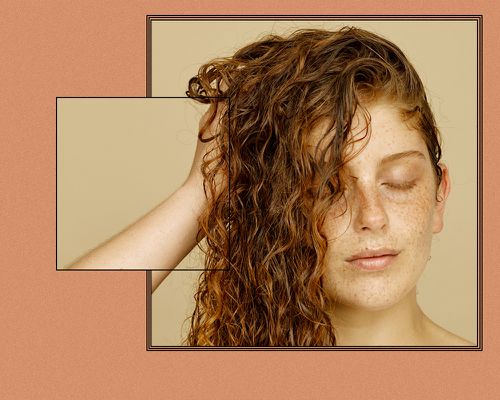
x,y
211,148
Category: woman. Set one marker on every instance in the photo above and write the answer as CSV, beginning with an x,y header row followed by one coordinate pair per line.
x,y
318,186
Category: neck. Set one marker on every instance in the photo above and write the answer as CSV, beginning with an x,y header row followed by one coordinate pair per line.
x,y
399,325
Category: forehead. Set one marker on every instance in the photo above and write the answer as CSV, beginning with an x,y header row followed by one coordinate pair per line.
x,y
387,134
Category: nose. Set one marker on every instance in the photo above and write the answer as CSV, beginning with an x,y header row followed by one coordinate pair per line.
x,y
369,211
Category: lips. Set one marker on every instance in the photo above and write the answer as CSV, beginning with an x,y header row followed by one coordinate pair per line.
x,y
373,260
367,254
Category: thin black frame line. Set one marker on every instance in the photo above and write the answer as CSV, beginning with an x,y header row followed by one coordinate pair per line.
x,y
187,348
479,273
149,54
316,17
143,269
57,135
478,18
57,141
306,348
149,311
141,97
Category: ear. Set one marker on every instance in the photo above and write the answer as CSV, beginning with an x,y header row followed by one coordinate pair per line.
x,y
440,200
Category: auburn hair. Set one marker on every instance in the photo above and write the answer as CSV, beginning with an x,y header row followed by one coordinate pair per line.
x,y
264,273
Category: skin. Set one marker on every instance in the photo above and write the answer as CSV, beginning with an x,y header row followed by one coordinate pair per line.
x,y
380,307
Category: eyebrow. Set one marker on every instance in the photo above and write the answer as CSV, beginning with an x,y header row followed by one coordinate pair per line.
x,y
399,156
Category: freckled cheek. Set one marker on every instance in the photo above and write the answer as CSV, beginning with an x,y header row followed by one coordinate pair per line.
x,y
415,215
413,226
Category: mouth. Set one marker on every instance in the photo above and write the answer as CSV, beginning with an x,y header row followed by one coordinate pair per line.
x,y
373,260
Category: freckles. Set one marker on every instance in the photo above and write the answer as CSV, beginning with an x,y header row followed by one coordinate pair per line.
x,y
415,214
372,292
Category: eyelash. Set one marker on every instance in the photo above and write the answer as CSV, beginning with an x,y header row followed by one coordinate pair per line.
x,y
402,186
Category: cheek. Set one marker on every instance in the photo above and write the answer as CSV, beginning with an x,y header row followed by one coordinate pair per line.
x,y
413,219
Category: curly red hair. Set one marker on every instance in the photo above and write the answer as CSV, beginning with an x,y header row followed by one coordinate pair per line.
x,y
263,282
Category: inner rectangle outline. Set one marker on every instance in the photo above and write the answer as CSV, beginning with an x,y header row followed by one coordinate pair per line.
x,y
478,18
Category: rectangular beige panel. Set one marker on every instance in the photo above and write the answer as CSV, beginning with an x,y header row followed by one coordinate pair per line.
x,y
117,159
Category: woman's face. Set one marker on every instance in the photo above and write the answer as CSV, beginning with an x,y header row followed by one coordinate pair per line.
x,y
390,203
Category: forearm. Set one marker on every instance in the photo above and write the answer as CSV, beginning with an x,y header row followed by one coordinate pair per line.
x,y
160,239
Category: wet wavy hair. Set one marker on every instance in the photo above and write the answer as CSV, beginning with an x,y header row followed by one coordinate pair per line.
x,y
264,272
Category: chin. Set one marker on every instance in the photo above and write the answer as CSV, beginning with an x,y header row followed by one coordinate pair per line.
x,y
371,299
371,304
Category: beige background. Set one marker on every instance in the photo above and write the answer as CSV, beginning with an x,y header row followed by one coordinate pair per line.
x,y
444,54
120,157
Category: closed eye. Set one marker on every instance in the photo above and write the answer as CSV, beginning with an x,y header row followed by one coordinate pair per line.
x,y
400,186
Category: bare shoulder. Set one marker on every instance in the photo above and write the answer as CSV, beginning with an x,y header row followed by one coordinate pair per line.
x,y
439,336
452,339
